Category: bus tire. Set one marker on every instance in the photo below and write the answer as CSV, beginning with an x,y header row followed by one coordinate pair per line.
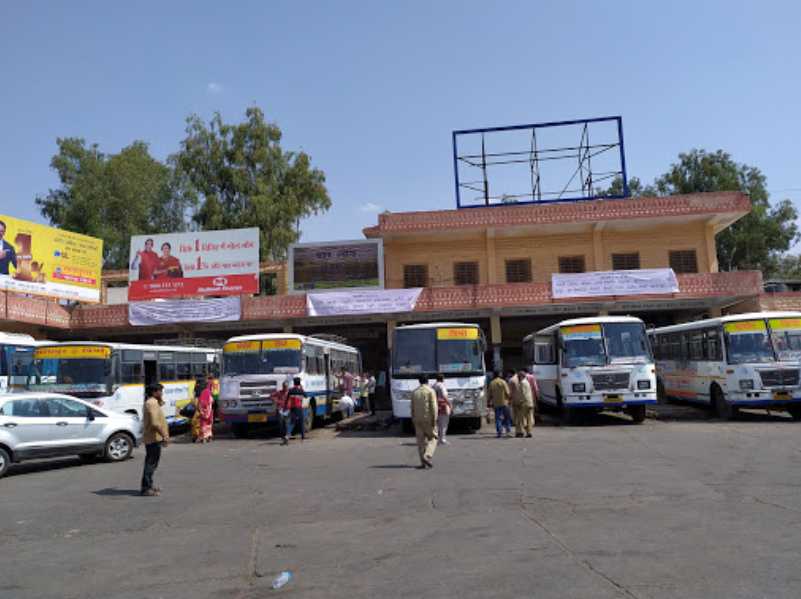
x,y
308,416
474,424
661,396
723,409
637,414
239,430
795,412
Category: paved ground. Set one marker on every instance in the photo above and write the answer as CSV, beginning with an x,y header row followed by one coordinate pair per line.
x,y
683,507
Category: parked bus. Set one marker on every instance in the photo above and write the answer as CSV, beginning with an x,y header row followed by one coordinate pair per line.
x,y
456,350
16,355
599,363
254,366
113,375
742,361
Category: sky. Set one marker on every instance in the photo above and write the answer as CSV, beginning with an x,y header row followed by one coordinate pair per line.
x,y
372,90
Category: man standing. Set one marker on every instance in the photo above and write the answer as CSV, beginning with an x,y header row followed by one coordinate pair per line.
x,y
424,417
156,434
146,261
295,398
444,409
7,253
523,403
280,399
535,391
498,394
371,384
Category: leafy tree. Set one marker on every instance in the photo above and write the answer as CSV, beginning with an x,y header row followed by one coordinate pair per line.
x,y
113,196
786,267
245,179
757,240
636,188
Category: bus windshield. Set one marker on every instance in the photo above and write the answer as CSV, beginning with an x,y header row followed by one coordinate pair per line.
x,y
608,343
428,351
280,356
748,341
69,375
15,360
786,336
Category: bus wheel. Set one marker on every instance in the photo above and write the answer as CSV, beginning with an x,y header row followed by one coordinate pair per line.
x,y
723,408
308,417
637,414
240,431
566,415
795,412
475,424
661,397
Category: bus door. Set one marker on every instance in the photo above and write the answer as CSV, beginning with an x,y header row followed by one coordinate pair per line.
x,y
329,388
546,368
151,366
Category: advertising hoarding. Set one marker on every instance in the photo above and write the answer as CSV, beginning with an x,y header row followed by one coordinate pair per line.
x,y
203,263
42,260
336,265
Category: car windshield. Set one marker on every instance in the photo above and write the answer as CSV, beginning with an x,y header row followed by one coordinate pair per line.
x,y
447,350
608,343
748,341
268,361
785,334
62,374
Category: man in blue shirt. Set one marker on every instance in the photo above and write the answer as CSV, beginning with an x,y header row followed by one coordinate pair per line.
x,y
7,253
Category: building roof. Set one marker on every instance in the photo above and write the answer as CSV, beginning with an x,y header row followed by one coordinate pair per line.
x,y
727,207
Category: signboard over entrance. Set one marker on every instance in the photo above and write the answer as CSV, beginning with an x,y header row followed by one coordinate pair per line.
x,y
334,265
653,281
206,263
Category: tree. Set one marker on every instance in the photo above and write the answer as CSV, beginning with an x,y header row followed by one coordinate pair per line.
x,y
636,188
113,196
245,179
758,239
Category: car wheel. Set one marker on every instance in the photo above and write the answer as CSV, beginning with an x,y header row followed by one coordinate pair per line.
x,y
119,447
5,461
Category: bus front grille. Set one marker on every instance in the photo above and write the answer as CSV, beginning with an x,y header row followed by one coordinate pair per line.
x,y
779,378
608,381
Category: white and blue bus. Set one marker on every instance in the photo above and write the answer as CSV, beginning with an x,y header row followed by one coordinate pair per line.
x,y
740,361
255,366
16,356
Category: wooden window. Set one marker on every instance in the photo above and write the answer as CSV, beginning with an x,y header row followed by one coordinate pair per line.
x,y
571,264
683,261
518,271
465,273
626,261
415,275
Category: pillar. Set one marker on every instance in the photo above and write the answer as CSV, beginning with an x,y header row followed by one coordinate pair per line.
x,y
391,324
496,340
711,248
599,263
492,274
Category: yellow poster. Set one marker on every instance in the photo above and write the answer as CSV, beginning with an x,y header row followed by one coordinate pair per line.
x,y
43,260
241,346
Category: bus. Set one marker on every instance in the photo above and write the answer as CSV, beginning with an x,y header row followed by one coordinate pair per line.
x,y
255,366
113,375
453,349
16,356
742,361
601,363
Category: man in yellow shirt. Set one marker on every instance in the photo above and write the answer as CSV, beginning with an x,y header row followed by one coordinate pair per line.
x,y
156,434
499,394
424,416
523,403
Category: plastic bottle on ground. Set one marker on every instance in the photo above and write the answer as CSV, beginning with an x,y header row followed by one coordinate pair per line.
x,y
282,579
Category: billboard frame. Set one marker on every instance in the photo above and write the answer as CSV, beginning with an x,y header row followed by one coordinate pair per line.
x,y
379,243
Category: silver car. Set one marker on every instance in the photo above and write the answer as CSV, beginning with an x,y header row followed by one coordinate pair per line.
x,y
48,425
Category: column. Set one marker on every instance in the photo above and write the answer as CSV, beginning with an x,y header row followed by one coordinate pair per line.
x,y
599,262
492,275
711,247
496,341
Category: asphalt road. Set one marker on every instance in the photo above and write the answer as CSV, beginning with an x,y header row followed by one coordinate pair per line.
x,y
684,507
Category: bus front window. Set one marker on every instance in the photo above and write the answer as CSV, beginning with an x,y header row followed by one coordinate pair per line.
x,y
414,352
459,356
583,345
786,336
75,376
267,361
626,343
236,363
748,341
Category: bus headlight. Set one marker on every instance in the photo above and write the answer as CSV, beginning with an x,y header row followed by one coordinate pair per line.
x,y
579,387
643,385
746,384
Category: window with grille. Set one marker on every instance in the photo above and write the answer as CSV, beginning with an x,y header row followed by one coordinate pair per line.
x,y
571,264
518,271
683,261
465,273
626,261
415,275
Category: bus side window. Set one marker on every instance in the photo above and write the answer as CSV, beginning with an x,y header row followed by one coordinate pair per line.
x,y
131,373
714,352
167,371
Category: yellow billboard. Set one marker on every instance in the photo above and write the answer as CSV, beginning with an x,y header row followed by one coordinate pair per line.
x,y
42,260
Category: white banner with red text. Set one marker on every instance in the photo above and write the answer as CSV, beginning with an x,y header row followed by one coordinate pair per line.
x,y
652,281
369,301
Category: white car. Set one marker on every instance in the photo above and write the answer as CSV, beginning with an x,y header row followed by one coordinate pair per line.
x,y
48,425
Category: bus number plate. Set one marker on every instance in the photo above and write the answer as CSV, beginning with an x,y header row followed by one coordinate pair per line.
x,y
781,396
257,417
612,399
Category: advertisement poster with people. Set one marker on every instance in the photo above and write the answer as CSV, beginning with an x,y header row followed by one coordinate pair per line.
x,y
41,260
196,264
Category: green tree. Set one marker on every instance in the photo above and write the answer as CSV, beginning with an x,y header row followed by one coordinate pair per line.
x,y
758,239
245,179
636,188
113,196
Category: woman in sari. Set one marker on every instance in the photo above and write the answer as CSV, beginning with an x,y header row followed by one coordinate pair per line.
x,y
200,384
205,409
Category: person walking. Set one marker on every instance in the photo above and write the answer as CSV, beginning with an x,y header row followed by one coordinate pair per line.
x,y
371,385
280,398
295,397
364,391
424,417
205,411
535,392
444,409
499,395
156,434
523,404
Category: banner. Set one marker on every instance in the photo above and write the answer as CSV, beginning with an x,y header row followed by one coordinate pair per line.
x,y
336,265
191,264
46,261
218,309
369,301
616,282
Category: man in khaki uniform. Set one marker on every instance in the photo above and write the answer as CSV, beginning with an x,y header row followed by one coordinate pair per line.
x,y
156,434
424,417
523,402
498,395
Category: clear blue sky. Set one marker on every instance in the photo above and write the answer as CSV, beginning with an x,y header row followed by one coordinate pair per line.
x,y
372,90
